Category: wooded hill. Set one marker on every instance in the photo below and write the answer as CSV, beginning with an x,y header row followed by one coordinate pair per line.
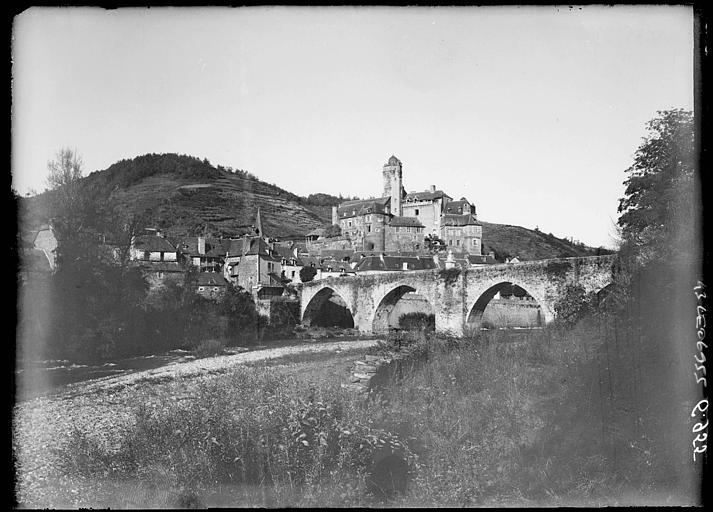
x,y
184,195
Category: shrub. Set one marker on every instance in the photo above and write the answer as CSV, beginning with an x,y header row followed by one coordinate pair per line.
x,y
307,274
209,348
449,275
418,321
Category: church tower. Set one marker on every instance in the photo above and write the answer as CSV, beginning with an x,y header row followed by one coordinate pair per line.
x,y
393,183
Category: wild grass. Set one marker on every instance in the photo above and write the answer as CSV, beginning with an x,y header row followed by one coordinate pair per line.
x,y
252,429
500,418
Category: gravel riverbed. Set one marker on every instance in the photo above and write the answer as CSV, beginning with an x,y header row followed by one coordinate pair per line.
x,y
101,407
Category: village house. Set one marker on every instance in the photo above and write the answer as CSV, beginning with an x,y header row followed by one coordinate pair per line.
x,y
157,258
211,285
205,254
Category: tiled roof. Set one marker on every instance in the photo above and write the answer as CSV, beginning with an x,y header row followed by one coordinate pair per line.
x,y
153,243
363,207
335,265
316,232
394,263
426,195
211,279
458,207
481,259
234,247
338,254
468,219
397,221
284,251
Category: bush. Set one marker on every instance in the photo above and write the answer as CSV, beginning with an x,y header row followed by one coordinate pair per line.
x,y
449,275
418,321
307,274
209,348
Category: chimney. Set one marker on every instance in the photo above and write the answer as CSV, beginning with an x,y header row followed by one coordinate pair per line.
x,y
201,245
432,188
335,215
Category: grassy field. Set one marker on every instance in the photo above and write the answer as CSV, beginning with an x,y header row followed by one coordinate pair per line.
x,y
461,423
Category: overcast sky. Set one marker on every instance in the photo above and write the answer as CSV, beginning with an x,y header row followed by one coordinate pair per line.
x,y
533,114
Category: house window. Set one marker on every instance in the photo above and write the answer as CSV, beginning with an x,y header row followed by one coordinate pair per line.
x,y
201,288
368,228
457,242
450,242
416,211
350,223
160,274
293,273
215,288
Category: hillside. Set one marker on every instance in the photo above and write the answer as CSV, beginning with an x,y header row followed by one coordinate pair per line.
x,y
183,195
508,241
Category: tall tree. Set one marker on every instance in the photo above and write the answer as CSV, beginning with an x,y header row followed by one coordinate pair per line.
x,y
658,212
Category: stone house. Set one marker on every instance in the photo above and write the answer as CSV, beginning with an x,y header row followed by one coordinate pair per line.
x,y
462,233
205,254
211,285
259,265
153,248
404,234
428,207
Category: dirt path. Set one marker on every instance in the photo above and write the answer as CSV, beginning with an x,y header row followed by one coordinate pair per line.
x,y
101,407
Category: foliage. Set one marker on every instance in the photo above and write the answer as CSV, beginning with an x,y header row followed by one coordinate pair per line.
x,y
209,348
320,199
449,275
333,231
418,321
298,448
574,305
558,269
307,273
658,212
434,244
239,308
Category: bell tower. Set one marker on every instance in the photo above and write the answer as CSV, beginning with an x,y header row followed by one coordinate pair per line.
x,y
393,183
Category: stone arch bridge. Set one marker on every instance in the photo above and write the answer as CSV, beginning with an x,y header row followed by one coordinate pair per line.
x,y
457,297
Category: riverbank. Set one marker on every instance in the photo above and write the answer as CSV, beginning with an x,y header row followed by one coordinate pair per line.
x,y
469,423
103,408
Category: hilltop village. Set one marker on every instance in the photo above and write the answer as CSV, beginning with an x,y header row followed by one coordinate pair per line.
x,y
397,232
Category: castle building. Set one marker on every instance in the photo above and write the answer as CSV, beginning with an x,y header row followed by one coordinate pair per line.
x,y
397,222
428,207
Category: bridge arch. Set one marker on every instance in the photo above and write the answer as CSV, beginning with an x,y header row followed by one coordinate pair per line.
x,y
535,313
388,306
328,307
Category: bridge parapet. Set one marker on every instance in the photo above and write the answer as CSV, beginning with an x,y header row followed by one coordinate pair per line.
x,y
458,297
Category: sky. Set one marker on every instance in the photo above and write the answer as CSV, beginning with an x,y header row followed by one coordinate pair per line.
x,y
531,113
